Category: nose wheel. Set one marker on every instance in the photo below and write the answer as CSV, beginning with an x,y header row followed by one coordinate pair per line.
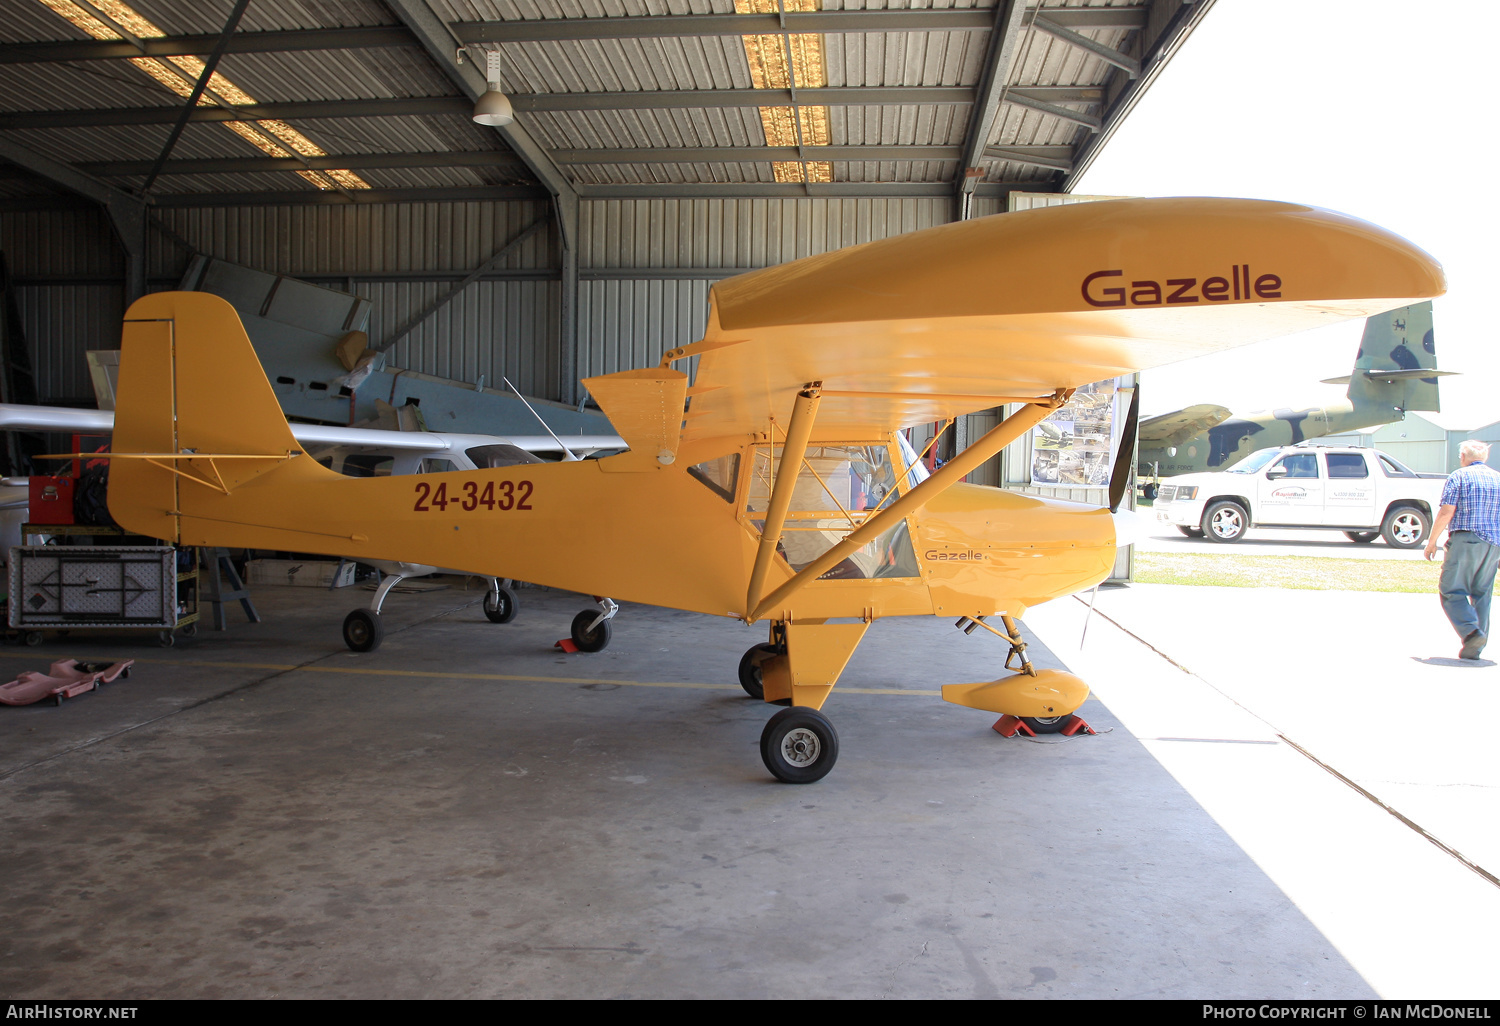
x,y
799,745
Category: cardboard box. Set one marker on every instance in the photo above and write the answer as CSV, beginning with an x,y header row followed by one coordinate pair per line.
x,y
302,573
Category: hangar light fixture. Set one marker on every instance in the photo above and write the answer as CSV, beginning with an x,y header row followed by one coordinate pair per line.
x,y
493,107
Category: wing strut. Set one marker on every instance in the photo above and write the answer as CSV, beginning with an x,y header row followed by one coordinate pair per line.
x,y
949,474
804,412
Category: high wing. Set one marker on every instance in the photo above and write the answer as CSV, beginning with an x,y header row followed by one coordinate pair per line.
x,y
1176,428
925,326
15,417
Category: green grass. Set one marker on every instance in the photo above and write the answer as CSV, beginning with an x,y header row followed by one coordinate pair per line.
x,y
1308,573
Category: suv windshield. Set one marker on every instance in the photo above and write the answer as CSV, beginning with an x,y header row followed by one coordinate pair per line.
x,y
1250,464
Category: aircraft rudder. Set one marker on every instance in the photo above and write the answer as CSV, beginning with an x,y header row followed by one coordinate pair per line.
x,y
189,381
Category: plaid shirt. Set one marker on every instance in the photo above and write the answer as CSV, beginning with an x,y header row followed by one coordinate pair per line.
x,y
1475,491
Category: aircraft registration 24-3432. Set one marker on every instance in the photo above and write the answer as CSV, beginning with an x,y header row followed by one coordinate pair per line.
x,y
775,487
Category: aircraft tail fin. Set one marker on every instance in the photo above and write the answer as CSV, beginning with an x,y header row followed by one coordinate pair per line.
x,y
1396,367
196,416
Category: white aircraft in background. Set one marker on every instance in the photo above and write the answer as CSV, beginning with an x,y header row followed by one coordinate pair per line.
x,y
365,452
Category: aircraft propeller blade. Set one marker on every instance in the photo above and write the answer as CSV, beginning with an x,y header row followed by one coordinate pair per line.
x,y
1119,475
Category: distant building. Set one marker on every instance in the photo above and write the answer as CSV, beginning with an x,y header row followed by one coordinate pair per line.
x,y
1426,442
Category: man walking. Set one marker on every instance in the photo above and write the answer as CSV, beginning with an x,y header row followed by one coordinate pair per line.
x,y
1470,511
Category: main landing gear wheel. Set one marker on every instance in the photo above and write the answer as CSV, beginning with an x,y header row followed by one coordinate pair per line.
x,y
1046,724
595,640
750,669
363,630
1225,522
500,605
799,745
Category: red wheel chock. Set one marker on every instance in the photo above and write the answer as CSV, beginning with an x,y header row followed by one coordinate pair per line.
x,y
1010,726
566,644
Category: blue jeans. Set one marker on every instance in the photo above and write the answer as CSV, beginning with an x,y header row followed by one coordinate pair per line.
x,y
1468,581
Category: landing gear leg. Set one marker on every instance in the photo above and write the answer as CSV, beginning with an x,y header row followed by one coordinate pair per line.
x,y
363,630
798,668
500,602
591,629
1012,636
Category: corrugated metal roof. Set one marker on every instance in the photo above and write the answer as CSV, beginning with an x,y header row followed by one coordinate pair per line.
x,y
712,63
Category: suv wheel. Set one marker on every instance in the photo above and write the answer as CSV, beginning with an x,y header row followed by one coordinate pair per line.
x,y
1405,527
1225,522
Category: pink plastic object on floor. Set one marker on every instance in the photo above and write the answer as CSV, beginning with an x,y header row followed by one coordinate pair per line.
x,y
62,680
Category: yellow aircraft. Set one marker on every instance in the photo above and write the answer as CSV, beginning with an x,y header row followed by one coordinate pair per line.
x,y
774,487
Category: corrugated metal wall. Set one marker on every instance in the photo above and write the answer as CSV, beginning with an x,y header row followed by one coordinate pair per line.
x,y
69,273
629,322
396,255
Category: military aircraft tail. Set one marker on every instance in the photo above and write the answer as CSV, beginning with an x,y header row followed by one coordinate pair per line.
x,y
1396,367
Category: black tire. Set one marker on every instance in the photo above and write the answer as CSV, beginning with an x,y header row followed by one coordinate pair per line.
x,y
32,638
1362,537
596,640
799,745
1191,532
1149,492
190,630
166,639
1225,522
363,630
501,608
1405,527
1047,724
750,669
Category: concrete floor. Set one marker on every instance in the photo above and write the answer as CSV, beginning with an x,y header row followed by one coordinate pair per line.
x,y
469,813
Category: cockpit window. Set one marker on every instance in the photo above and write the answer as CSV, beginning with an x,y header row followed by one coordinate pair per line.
x,y
1252,463
720,474
918,472
837,487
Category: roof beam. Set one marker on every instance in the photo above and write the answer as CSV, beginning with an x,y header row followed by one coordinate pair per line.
x,y
714,154
349,162
313,197
127,213
905,20
1130,65
872,96
997,63
376,36
181,46
1185,15
1089,121
436,37
1056,157
491,193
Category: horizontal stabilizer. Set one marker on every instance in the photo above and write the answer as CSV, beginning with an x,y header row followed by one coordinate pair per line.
x,y
646,407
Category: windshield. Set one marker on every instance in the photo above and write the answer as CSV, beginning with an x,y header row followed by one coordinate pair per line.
x,y
918,472
1250,464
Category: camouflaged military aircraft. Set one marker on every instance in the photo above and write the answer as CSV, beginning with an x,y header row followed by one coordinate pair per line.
x,y
1395,371
782,495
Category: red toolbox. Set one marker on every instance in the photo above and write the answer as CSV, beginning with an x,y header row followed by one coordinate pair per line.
x,y
51,500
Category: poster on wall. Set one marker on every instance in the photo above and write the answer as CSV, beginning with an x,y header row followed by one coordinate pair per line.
x,y
1073,445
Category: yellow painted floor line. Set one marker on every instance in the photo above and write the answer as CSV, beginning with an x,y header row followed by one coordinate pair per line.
x,y
510,678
